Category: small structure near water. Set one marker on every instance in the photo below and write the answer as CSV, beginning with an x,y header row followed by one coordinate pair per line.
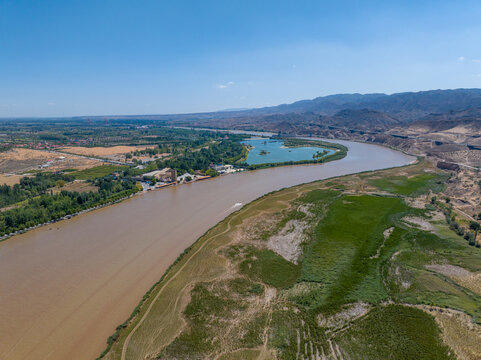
x,y
165,175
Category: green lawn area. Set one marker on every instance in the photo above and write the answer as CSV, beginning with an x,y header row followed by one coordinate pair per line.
x,y
394,332
341,255
347,262
410,186
97,172
270,268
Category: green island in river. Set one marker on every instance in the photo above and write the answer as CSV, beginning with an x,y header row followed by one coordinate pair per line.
x,y
361,266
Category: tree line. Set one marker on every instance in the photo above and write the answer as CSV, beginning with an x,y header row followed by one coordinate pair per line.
x,y
48,207
227,151
30,187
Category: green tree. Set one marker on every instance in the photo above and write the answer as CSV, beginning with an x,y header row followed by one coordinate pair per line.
x,y
468,236
474,225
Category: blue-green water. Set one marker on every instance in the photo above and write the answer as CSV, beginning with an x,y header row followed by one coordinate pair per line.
x,y
277,154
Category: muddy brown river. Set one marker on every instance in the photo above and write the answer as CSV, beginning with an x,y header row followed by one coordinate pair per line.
x,y
66,286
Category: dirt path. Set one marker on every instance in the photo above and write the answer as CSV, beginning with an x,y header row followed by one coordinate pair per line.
x,y
264,351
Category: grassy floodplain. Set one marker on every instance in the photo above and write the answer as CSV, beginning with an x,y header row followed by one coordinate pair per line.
x,y
353,267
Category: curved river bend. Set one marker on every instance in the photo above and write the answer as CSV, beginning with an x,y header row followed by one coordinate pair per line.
x,y
66,286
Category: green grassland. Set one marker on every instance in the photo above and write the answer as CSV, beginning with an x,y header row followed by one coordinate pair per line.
x,y
395,332
97,172
231,296
415,185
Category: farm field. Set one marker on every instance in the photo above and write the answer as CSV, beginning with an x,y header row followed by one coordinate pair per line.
x,y
108,151
79,186
10,179
97,171
19,160
350,267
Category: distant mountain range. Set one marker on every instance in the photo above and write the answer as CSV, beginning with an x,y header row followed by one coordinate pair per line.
x,y
405,107
344,110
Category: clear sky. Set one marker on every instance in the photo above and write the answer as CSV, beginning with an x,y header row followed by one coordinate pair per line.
x,y
99,57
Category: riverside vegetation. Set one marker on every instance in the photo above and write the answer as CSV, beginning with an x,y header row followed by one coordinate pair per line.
x,y
33,202
340,151
41,197
362,266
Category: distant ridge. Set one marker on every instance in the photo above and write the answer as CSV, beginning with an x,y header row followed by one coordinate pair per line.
x,y
405,107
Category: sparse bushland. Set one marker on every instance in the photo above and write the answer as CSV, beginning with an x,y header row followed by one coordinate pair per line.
x,y
361,288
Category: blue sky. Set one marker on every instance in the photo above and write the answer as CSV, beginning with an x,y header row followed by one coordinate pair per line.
x,y
99,57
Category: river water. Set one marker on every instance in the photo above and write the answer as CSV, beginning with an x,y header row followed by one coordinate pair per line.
x,y
272,151
66,286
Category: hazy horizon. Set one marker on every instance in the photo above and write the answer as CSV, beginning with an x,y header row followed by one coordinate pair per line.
x,y
214,111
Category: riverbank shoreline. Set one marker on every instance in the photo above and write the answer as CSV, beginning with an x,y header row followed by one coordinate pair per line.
x,y
340,152
67,217
111,258
145,304
158,331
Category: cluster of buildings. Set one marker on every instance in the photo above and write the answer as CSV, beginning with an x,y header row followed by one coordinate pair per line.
x,y
166,175
225,169
51,162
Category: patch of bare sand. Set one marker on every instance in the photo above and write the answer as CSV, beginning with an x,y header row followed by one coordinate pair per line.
x,y
417,203
458,331
459,275
419,222
343,318
386,234
437,216
287,242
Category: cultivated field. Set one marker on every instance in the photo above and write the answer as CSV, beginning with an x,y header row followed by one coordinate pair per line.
x,y
362,266
20,160
10,179
107,152
97,171
76,185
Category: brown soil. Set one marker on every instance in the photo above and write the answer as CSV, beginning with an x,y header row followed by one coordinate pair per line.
x,y
464,191
463,277
19,160
103,151
78,186
343,318
10,179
